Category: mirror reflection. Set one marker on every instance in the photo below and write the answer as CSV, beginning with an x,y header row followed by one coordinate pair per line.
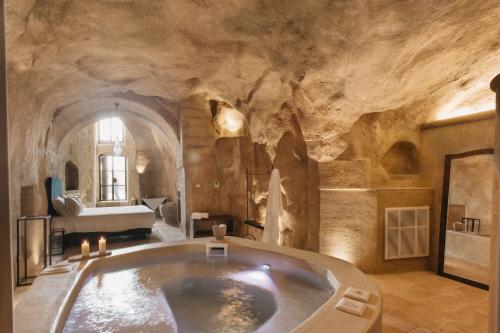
x,y
472,187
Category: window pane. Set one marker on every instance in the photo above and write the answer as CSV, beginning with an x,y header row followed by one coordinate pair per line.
x,y
422,217
119,178
407,218
106,193
117,129
408,242
393,243
106,163
120,193
105,130
113,177
106,178
393,219
119,163
422,241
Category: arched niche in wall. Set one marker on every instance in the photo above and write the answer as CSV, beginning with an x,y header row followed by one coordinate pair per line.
x,y
401,159
72,176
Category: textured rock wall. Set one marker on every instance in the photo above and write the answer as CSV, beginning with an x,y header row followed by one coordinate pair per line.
x,y
79,148
210,159
347,233
354,76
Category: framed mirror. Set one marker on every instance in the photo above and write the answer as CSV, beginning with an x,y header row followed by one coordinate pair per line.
x,y
467,217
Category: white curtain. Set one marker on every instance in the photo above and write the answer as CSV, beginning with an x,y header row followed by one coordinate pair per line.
x,y
274,210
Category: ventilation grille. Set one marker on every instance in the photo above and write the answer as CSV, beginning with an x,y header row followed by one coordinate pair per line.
x,y
406,232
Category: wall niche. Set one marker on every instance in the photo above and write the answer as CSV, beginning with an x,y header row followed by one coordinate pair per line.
x,y
71,176
401,159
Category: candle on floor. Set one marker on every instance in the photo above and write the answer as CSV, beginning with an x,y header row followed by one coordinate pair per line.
x,y
102,246
85,249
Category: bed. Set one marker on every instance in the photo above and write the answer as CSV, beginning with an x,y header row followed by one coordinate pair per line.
x,y
95,222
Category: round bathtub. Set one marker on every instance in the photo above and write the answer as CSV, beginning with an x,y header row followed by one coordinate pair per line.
x,y
175,287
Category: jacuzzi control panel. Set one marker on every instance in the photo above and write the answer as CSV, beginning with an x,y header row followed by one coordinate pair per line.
x,y
351,306
216,250
358,294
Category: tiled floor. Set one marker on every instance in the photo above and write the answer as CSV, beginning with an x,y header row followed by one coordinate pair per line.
x,y
422,302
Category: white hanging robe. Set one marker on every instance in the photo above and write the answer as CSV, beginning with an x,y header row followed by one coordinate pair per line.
x,y
274,210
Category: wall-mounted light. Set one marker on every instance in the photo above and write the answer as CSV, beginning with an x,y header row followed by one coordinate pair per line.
x,y
227,120
231,120
141,162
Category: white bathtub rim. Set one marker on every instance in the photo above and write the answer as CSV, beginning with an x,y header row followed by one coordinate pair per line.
x,y
323,319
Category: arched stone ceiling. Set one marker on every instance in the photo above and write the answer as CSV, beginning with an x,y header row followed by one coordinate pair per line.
x,y
326,61
74,117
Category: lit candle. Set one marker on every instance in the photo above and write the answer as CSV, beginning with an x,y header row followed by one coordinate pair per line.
x,y
85,249
102,246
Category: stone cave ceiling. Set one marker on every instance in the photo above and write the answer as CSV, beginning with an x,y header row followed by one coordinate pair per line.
x,y
329,61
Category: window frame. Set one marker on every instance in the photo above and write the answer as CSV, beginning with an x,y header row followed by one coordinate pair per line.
x,y
99,141
101,186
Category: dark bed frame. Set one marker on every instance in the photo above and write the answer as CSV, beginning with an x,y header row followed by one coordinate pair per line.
x,y
53,186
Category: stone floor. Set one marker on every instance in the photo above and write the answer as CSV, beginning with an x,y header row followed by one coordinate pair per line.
x,y
423,302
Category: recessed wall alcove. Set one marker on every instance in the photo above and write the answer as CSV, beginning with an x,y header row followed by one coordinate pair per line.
x,y
401,159
72,176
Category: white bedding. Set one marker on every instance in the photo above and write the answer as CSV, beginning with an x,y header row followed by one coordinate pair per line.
x,y
106,219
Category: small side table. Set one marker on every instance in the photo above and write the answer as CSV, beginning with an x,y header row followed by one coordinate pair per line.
x,y
203,227
22,224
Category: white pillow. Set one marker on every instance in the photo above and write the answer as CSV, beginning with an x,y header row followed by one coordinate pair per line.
x,y
74,206
60,206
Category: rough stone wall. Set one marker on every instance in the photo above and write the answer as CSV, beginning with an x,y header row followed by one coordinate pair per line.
x,y
348,233
199,165
80,149
156,161
210,159
326,64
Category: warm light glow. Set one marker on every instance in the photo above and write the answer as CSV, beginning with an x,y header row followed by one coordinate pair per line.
x,y
257,278
141,162
231,120
471,101
465,111
85,249
102,246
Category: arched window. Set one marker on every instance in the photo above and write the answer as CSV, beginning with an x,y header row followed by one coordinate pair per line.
x,y
110,130
71,176
112,178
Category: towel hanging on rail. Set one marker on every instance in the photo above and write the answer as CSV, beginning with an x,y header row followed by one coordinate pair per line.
x,y
274,210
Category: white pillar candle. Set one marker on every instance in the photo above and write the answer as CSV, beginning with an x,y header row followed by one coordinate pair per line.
x,y
85,249
102,246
